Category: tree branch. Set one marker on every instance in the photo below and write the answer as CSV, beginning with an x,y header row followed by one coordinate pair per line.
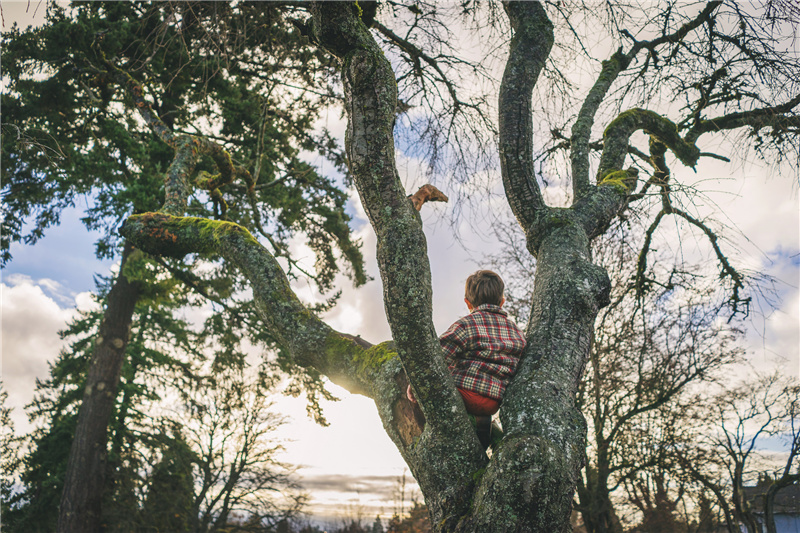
x,y
619,131
370,103
611,68
597,210
727,268
415,52
530,46
778,117
679,34
582,129
310,341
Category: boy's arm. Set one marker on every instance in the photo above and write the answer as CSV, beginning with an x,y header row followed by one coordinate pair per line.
x,y
453,344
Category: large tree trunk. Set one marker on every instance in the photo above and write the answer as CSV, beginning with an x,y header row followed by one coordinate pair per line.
x,y
81,501
529,483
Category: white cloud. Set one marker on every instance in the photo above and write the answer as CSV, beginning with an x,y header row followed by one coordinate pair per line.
x,y
31,320
775,339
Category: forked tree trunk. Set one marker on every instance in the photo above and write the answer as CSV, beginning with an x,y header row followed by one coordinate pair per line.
x,y
528,484
81,500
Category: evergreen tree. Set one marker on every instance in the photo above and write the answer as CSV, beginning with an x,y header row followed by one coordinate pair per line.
x,y
169,503
9,453
172,373
67,134
148,368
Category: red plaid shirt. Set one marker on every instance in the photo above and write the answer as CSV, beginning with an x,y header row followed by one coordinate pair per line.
x,y
482,350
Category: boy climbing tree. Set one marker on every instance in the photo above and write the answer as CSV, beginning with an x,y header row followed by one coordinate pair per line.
x,y
482,350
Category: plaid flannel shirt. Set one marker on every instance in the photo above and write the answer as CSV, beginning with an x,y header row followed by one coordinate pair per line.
x,y
482,351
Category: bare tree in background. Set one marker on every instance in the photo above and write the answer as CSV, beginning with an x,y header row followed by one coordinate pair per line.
x,y
235,457
728,454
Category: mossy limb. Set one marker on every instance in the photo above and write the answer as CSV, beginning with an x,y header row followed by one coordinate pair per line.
x,y
171,236
616,179
372,359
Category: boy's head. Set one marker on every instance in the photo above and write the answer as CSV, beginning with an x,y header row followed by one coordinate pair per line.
x,y
484,287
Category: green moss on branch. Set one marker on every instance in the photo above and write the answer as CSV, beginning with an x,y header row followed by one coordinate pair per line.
x,y
618,133
171,236
623,181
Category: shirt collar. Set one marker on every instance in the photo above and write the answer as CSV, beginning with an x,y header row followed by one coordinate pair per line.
x,y
491,308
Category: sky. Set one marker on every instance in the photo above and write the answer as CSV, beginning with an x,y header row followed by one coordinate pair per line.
x,y
351,466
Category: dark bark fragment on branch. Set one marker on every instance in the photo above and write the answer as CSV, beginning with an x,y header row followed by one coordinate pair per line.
x,y
427,193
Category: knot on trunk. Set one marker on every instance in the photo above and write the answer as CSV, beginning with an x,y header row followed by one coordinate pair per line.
x,y
546,222
599,285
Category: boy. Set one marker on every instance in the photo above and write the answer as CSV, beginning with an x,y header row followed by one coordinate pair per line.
x,y
482,349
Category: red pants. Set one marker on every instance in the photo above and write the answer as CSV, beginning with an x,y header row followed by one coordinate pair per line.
x,y
475,403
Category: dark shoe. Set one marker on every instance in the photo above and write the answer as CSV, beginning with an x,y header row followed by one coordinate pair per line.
x,y
483,425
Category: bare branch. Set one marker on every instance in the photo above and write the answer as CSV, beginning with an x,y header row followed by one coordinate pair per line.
x,y
727,269
530,47
415,52
779,117
611,68
579,153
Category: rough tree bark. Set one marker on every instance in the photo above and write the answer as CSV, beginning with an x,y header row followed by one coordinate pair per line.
x,y
80,508
528,484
